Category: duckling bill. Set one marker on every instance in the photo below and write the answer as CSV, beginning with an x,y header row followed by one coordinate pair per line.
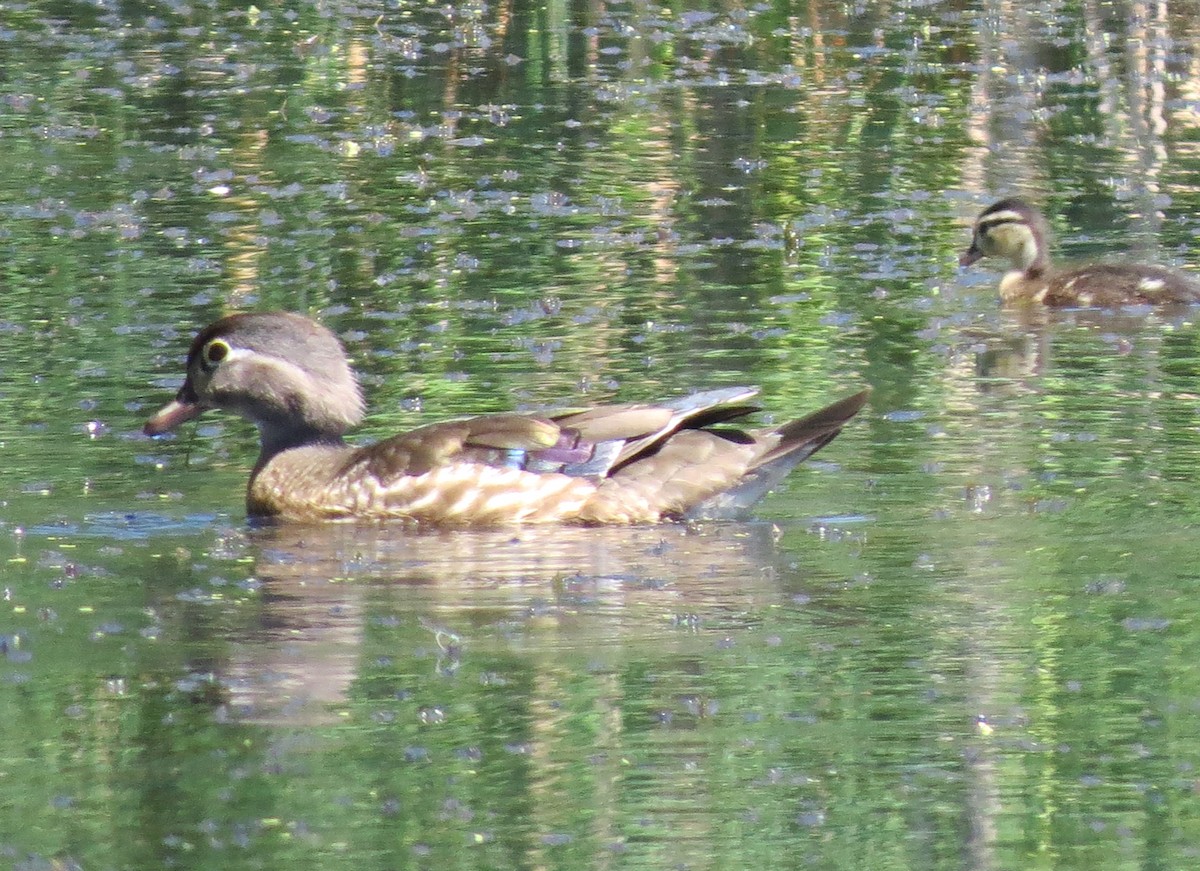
x,y
614,464
1014,230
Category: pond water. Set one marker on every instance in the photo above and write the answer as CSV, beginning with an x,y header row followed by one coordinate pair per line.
x,y
964,636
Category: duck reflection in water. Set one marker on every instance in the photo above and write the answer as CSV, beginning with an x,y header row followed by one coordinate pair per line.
x,y
330,592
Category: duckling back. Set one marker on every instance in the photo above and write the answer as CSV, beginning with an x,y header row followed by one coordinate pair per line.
x,y
1110,285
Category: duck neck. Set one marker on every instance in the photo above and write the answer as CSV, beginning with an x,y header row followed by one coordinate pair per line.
x,y
1032,258
275,440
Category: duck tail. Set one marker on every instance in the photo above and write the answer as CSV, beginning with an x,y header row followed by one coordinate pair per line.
x,y
786,447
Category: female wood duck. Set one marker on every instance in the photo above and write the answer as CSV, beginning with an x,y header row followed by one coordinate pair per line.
x,y
632,463
1014,230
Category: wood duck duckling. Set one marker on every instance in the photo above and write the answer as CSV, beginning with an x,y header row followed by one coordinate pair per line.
x,y
1014,230
616,464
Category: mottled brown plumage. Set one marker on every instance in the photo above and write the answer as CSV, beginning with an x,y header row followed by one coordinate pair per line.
x,y
632,463
1015,231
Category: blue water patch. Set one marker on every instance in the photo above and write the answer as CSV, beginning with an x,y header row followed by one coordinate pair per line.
x,y
126,526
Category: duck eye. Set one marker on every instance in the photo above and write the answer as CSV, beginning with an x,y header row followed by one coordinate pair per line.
x,y
213,353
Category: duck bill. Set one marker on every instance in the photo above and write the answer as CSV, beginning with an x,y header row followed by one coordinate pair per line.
x,y
971,255
171,415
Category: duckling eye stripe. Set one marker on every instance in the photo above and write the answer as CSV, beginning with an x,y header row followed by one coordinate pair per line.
x,y
997,218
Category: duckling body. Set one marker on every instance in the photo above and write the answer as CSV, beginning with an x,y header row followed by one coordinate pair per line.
x,y
1013,230
616,464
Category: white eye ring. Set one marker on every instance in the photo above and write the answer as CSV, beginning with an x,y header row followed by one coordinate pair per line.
x,y
213,353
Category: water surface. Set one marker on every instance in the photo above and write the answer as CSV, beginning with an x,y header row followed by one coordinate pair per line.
x,y
962,637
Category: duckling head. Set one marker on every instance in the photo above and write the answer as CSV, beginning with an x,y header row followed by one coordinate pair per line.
x,y
1011,230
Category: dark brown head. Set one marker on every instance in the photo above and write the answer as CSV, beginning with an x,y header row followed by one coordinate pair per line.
x,y
283,371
